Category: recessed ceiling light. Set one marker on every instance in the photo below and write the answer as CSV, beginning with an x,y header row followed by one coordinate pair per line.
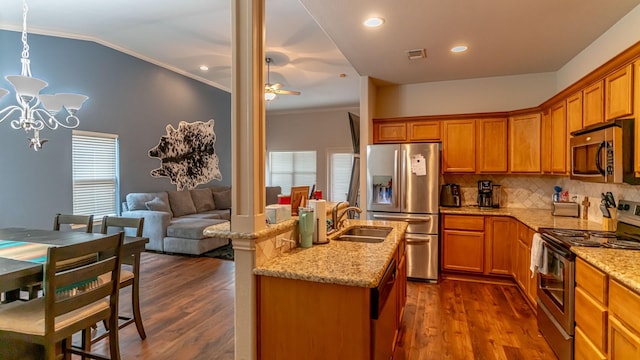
x,y
459,48
374,22
204,67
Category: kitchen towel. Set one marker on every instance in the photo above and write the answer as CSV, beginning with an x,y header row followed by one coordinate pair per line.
x,y
536,261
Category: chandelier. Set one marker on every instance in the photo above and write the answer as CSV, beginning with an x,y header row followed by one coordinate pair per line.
x,y
34,110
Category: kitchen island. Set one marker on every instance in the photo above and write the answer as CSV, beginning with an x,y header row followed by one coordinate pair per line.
x,y
341,300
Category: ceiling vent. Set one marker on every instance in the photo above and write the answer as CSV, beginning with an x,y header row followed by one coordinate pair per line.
x,y
416,54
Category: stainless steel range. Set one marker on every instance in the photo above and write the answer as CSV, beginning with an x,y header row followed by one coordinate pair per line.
x,y
557,276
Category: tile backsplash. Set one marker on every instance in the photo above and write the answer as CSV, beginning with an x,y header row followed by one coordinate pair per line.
x,y
535,191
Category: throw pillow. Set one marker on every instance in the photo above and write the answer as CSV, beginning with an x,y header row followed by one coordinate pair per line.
x,y
137,201
203,200
157,204
222,199
181,203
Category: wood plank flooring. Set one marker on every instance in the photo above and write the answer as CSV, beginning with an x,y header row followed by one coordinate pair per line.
x,y
187,307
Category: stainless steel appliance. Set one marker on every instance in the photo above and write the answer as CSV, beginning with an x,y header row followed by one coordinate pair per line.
x,y
450,195
485,194
402,185
556,287
604,153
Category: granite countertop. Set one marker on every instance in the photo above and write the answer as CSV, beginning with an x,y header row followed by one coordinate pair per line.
x,y
339,262
533,218
622,265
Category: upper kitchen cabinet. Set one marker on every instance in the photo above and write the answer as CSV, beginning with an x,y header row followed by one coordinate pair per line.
x,y
619,93
559,138
593,104
545,144
459,146
636,81
574,112
405,130
524,143
389,132
491,139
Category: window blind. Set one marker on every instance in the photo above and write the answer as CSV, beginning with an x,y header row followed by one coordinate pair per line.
x,y
95,173
292,168
340,170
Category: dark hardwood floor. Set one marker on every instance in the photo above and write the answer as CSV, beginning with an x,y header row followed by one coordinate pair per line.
x,y
187,307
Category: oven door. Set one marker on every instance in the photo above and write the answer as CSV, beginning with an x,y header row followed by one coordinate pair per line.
x,y
555,288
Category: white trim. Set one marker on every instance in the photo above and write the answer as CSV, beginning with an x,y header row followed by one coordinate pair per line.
x,y
94,134
354,109
329,152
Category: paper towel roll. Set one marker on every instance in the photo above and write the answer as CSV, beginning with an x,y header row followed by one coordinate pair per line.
x,y
320,218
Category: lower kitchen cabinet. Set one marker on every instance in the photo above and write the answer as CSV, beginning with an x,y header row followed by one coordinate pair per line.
x,y
591,311
499,235
624,324
463,243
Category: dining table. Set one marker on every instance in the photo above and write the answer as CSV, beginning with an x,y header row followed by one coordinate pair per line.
x,y
17,272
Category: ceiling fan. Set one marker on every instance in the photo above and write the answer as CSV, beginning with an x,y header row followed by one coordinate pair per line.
x,y
271,90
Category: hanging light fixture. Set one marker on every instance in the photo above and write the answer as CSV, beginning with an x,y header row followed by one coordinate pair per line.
x,y
32,117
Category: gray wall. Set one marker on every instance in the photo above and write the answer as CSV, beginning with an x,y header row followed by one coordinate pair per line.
x,y
316,130
127,96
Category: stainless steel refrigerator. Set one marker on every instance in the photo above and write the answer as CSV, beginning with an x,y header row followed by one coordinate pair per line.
x,y
402,185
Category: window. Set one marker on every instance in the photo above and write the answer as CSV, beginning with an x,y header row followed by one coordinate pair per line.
x,y
95,173
291,168
340,163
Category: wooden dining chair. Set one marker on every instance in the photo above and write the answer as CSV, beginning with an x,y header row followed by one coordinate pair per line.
x,y
61,219
128,277
65,219
74,299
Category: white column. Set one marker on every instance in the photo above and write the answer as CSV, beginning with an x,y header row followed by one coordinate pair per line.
x,y
247,157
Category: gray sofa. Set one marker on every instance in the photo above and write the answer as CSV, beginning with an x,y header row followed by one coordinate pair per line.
x,y
174,220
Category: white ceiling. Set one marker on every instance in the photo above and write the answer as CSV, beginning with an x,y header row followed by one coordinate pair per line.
x,y
505,37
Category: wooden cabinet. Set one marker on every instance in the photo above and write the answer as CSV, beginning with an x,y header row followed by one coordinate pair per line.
x,y
405,130
523,260
524,143
532,290
424,131
459,146
463,243
545,142
591,312
636,90
559,138
593,104
619,93
624,324
491,140
499,238
389,132
574,112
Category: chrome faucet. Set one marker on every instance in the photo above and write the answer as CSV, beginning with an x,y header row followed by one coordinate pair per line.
x,y
334,217
339,218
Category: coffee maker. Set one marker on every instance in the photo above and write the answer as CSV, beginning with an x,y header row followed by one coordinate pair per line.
x,y
485,194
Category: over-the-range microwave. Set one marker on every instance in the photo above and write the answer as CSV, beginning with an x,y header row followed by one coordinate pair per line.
x,y
604,153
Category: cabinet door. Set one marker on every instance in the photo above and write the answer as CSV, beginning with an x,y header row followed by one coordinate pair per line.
x,y
593,104
459,146
532,290
619,93
424,131
524,143
584,348
498,251
389,132
384,328
522,271
463,251
623,343
636,86
559,139
545,142
492,145
574,112
401,280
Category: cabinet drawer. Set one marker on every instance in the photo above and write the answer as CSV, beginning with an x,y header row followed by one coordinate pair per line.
x,y
464,222
592,281
592,319
585,350
624,304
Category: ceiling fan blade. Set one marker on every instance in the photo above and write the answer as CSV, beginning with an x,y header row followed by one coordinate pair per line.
x,y
286,92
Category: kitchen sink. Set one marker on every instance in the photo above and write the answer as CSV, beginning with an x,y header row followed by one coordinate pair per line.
x,y
366,234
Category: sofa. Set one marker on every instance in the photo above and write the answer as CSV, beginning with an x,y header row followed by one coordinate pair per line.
x,y
174,221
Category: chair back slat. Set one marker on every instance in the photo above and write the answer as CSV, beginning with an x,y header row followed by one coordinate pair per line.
x,y
56,305
120,222
66,219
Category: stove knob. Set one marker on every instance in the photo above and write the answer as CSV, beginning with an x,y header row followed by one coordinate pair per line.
x,y
626,207
620,207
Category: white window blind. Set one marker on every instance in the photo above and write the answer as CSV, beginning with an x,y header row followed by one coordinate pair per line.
x,y
95,173
292,168
340,170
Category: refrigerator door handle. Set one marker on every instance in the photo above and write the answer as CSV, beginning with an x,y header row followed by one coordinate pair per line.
x,y
417,242
394,192
401,218
403,174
